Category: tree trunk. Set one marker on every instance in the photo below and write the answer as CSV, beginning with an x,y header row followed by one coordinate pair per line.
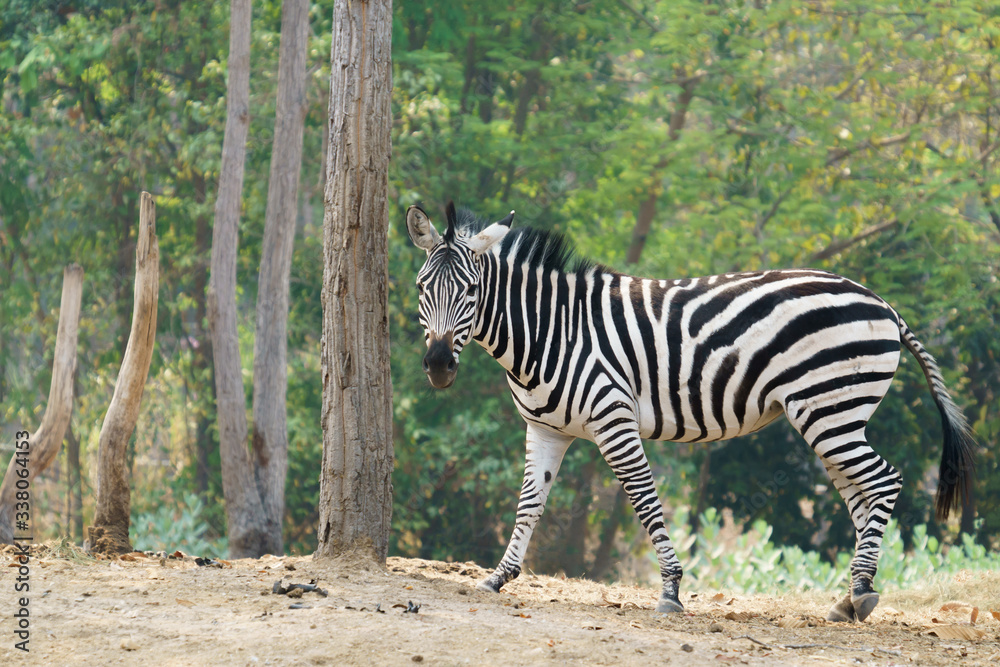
x,y
609,531
109,534
43,444
270,430
202,364
701,497
578,529
74,490
244,510
647,210
356,480
122,215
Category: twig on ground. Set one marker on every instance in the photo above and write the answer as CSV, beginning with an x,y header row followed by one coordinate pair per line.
x,y
866,649
755,641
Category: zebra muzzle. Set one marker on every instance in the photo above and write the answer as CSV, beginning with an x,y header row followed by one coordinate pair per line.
x,y
439,362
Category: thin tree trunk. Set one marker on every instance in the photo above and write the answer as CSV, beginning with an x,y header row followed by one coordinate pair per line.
x,y
202,363
609,532
202,377
244,510
647,210
109,534
74,491
270,430
43,444
701,496
356,481
526,93
579,528
122,214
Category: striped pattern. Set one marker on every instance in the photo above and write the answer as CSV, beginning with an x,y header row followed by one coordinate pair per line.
x,y
443,308
595,354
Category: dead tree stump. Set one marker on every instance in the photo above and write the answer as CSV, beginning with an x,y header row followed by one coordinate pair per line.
x,y
45,442
109,534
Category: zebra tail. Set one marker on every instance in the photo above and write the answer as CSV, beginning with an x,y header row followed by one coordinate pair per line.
x,y
958,466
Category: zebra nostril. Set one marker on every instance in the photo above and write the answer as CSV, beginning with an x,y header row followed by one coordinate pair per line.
x,y
452,366
427,366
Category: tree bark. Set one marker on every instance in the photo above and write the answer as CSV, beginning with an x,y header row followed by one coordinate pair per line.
x,y
270,430
109,534
244,510
356,483
45,442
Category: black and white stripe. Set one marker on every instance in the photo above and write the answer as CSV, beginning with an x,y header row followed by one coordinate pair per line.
x,y
595,354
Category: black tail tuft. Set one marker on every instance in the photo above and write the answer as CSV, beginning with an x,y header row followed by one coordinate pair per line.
x,y
958,465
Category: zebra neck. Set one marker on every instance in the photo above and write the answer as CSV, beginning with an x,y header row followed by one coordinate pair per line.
x,y
515,315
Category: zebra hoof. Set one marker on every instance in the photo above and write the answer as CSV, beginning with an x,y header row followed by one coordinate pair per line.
x,y
491,584
843,612
865,604
668,606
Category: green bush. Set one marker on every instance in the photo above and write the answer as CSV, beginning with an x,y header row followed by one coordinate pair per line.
x,y
755,564
181,527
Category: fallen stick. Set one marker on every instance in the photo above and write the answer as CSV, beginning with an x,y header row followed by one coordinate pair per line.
x,y
866,649
755,641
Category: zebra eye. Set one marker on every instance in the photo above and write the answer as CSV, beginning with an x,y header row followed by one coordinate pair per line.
x,y
472,290
420,288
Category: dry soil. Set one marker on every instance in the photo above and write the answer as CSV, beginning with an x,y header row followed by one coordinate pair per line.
x,y
143,610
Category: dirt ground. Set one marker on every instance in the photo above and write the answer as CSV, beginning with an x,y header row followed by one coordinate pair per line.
x,y
163,611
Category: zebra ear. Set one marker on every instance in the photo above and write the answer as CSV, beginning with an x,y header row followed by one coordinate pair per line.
x,y
421,231
487,238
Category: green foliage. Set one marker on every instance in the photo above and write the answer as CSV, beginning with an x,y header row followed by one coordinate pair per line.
x,y
753,563
179,527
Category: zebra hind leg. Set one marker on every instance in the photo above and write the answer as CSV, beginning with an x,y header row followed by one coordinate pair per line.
x,y
857,506
621,447
870,492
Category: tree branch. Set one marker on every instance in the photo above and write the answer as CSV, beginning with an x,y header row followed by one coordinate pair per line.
x,y
639,15
840,246
988,151
833,158
837,156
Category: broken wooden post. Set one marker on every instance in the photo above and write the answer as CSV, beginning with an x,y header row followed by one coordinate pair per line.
x,y
109,534
43,444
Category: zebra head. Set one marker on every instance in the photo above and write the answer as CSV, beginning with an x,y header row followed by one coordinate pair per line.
x,y
449,286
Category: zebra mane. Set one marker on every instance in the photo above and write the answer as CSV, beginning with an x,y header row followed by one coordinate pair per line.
x,y
547,249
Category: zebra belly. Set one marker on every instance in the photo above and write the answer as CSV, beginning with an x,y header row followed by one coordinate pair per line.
x,y
669,431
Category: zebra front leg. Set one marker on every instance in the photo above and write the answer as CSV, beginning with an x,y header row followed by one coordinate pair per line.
x,y
544,452
621,446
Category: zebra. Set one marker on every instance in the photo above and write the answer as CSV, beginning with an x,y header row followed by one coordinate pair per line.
x,y
595,354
